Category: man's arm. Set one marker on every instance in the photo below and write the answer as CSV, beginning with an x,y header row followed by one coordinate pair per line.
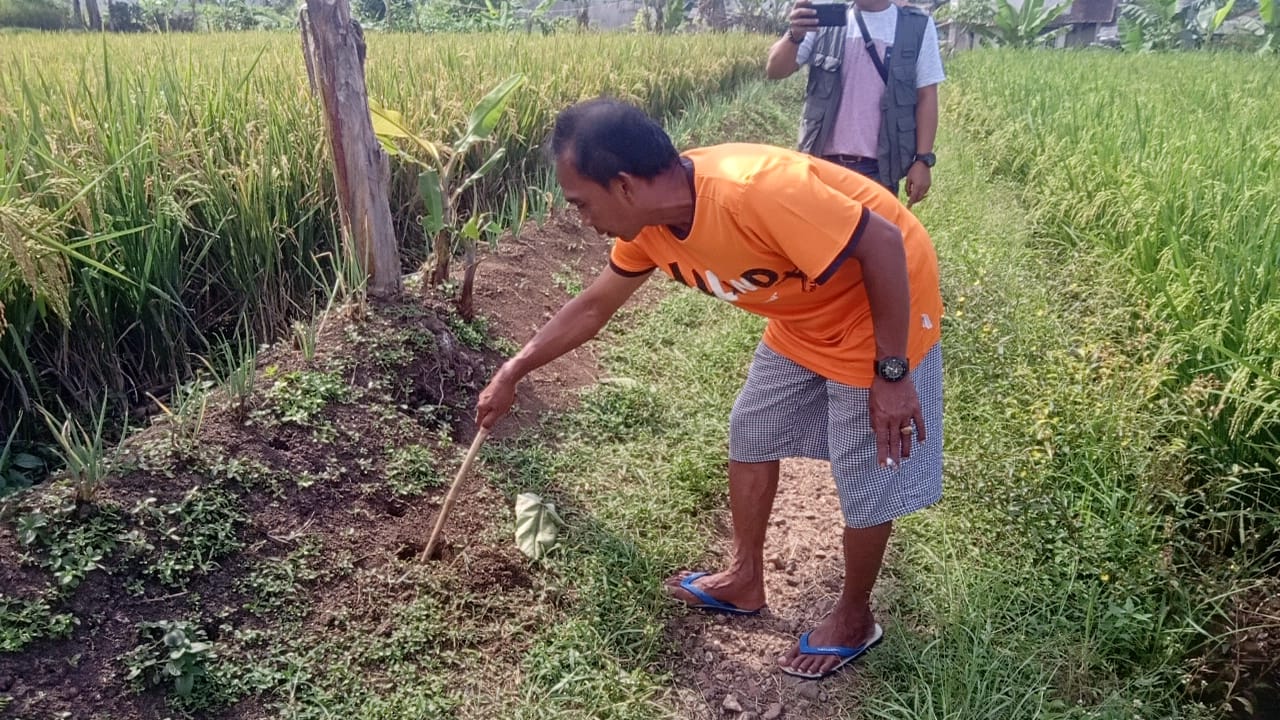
x,y
919,175
892,405
926,118
782,56
883,258
576,322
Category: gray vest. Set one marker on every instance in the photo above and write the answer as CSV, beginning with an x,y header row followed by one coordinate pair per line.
x,y
897,143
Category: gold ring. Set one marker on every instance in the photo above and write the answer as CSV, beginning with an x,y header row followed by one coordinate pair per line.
x,y
906,430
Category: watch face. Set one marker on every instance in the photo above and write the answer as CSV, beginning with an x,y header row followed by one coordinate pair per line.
x,y
892,369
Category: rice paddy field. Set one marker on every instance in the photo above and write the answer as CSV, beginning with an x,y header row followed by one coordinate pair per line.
x,y
161,193
1109,547
1163,163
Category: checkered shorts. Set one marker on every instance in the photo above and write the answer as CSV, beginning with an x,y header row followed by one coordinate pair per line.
x,y
785,410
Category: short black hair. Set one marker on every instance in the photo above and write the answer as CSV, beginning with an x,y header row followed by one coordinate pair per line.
x,y
609,137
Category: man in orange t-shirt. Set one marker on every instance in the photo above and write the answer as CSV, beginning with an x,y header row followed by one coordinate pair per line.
x,y
849,368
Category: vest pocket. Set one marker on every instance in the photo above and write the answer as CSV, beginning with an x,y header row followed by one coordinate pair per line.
x,y
906,139
904,85
809,133
822,83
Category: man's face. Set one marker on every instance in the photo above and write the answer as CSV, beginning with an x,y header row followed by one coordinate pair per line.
x,y
607,209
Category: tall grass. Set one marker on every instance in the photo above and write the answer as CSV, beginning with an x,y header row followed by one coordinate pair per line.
x,y
159,193
1169,165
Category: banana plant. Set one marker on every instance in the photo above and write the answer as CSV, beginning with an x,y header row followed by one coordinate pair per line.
x,y
1270,24
442,184
1027,25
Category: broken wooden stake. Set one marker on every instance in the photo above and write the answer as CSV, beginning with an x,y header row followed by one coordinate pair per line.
x,y
334,48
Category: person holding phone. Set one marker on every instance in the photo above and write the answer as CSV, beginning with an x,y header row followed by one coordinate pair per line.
x,y
849,368
871,102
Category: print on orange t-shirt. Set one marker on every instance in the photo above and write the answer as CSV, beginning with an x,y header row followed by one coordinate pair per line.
x,y
769,229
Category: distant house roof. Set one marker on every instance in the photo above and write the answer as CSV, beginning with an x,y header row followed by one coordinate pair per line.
x,y
1089,12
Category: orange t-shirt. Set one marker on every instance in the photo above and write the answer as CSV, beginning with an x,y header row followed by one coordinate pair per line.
x,y
769,229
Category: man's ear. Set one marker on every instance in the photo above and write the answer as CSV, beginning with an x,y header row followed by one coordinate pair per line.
x,y
625,186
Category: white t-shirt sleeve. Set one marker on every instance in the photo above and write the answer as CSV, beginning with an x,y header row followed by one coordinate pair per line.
x,y
929,64
806,49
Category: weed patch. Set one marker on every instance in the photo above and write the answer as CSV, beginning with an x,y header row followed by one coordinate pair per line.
x,y
187,538
23,621
299,396
414,469
67,538
170,651
277,586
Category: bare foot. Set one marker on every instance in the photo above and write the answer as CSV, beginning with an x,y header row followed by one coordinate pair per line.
x,y
743,592
837,630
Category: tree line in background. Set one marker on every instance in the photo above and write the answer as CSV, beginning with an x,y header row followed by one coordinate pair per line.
x,y
1142,25
147,15
660,16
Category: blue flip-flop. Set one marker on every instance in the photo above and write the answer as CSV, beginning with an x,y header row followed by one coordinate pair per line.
x,y
846,654
706,602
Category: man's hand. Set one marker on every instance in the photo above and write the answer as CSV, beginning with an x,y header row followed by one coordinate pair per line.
x,y
575,323
894,407
783,53
495,400
803,18
919,178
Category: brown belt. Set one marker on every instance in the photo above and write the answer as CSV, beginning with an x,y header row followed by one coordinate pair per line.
x,y
848,158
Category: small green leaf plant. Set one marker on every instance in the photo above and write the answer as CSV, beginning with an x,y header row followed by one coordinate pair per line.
x,y
17,469
170,649
537,525
442,185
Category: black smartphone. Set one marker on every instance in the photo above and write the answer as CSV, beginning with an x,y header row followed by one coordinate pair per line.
x,y
832,14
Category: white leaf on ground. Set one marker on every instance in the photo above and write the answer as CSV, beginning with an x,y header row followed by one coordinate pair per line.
x,y
537,525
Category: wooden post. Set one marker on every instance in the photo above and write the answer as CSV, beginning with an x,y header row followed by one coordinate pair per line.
x,y
333,45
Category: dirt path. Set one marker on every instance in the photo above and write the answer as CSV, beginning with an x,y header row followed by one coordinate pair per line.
x,y
728,666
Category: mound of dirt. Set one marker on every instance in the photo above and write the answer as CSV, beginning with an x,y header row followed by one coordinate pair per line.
x,y
320,450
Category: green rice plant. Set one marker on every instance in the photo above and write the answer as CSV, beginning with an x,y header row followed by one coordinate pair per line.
x,y
82,450
235,371
1177,182
185,412
160,192
305,333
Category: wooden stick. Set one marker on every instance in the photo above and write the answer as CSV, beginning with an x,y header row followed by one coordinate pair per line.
x,y
453,491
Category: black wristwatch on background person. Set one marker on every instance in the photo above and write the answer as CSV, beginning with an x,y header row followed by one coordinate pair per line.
x,y
927,158
892,368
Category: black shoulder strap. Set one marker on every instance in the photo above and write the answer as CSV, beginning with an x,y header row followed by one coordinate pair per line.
x,y
871,46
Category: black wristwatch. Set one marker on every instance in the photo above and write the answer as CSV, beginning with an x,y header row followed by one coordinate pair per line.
x,y
787,34
927,158
892,368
